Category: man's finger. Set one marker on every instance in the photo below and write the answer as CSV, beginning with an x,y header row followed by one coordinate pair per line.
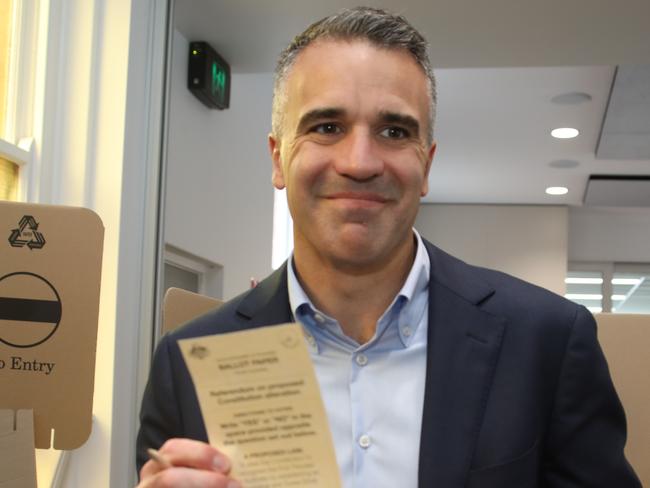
x,y
194,454
188,478
149,469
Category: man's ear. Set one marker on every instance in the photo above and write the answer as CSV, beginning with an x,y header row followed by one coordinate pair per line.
x,y
278,174
427,168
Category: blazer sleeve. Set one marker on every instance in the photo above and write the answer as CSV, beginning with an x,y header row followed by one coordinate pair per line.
x,y
587,430
160,417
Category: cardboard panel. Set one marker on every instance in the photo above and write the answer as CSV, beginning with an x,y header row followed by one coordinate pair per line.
x,y
625,339
181,306
17,460
50,269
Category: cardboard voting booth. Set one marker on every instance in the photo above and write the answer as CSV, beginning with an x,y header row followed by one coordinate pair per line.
x,y
50,269
181,306
625,339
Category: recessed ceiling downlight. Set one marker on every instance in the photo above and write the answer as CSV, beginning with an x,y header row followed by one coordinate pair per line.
x,y
565,133
564,164
557,190
572,98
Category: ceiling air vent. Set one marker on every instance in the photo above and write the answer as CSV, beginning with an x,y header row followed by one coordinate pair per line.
x,y
625,133
618,191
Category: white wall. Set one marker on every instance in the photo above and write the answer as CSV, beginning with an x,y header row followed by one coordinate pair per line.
x,y
219,201
529,242
609,234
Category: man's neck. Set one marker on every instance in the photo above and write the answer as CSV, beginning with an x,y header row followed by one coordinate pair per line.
x,y
356,297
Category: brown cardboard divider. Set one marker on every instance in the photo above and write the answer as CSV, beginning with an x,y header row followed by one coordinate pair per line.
x,y
625,339
50,272
17,460
181,306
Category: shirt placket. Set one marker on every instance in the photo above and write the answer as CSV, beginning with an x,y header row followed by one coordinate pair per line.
x,y
361,436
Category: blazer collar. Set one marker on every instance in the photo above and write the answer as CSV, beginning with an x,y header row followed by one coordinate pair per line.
x,y
271,294
268,302
457,276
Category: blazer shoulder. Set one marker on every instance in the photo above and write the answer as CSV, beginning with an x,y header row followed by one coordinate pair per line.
x,y
519,298
500,293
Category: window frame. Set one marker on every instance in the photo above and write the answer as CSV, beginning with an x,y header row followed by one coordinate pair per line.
x,y
183,260
17,143
282,244
608,269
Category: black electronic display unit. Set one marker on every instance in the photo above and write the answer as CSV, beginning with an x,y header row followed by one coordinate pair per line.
x,y
208,76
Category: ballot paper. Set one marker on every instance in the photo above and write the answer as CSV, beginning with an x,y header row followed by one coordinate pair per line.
x,y
262,407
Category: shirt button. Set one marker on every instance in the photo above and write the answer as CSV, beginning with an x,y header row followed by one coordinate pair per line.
x,y
406,330
319,319
310,340
361,359
364,441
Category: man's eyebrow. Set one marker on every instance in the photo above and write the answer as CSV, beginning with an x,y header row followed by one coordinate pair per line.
x,y
404,120
317,114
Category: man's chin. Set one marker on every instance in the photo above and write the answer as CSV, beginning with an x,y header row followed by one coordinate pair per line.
x,y
355,253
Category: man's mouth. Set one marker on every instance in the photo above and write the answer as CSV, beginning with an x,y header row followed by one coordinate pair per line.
x,y
360,196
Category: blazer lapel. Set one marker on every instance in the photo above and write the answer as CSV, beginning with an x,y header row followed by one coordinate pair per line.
x,y
463,348
268,302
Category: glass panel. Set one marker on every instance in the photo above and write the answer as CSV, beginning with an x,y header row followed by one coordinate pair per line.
x,y
180,278
8,180
5,37
631,293
585,288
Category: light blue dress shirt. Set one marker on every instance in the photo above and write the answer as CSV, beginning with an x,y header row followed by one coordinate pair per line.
x,y
373,392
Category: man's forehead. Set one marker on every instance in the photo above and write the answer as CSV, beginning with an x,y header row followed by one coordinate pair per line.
x,y
330,73
337,61
330,46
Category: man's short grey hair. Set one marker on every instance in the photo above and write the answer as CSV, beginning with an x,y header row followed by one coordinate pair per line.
x,y
377,26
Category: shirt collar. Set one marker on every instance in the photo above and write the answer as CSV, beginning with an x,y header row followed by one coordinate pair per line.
x,y
408,306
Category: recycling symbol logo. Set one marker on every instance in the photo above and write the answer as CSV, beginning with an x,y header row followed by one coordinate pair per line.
x,y
27,234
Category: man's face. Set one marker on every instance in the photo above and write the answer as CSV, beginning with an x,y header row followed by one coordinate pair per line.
x,y
353,154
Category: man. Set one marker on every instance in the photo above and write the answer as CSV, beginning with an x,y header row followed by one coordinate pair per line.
x,y
433,372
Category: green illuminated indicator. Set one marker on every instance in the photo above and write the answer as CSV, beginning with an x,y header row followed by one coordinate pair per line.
x,y
195,52
218,81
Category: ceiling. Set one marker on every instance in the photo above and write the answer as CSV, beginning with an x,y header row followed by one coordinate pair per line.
x,y
499,64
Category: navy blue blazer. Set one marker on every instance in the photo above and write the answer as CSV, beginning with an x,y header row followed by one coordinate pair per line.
x,y
518,392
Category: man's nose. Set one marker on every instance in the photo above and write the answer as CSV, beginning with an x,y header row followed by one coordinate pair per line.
x,y
359,157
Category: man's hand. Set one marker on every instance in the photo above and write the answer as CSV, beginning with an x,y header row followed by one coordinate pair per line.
x,y
187,464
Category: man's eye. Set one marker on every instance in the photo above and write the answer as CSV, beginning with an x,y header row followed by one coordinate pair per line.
x,y
394,133
327,128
